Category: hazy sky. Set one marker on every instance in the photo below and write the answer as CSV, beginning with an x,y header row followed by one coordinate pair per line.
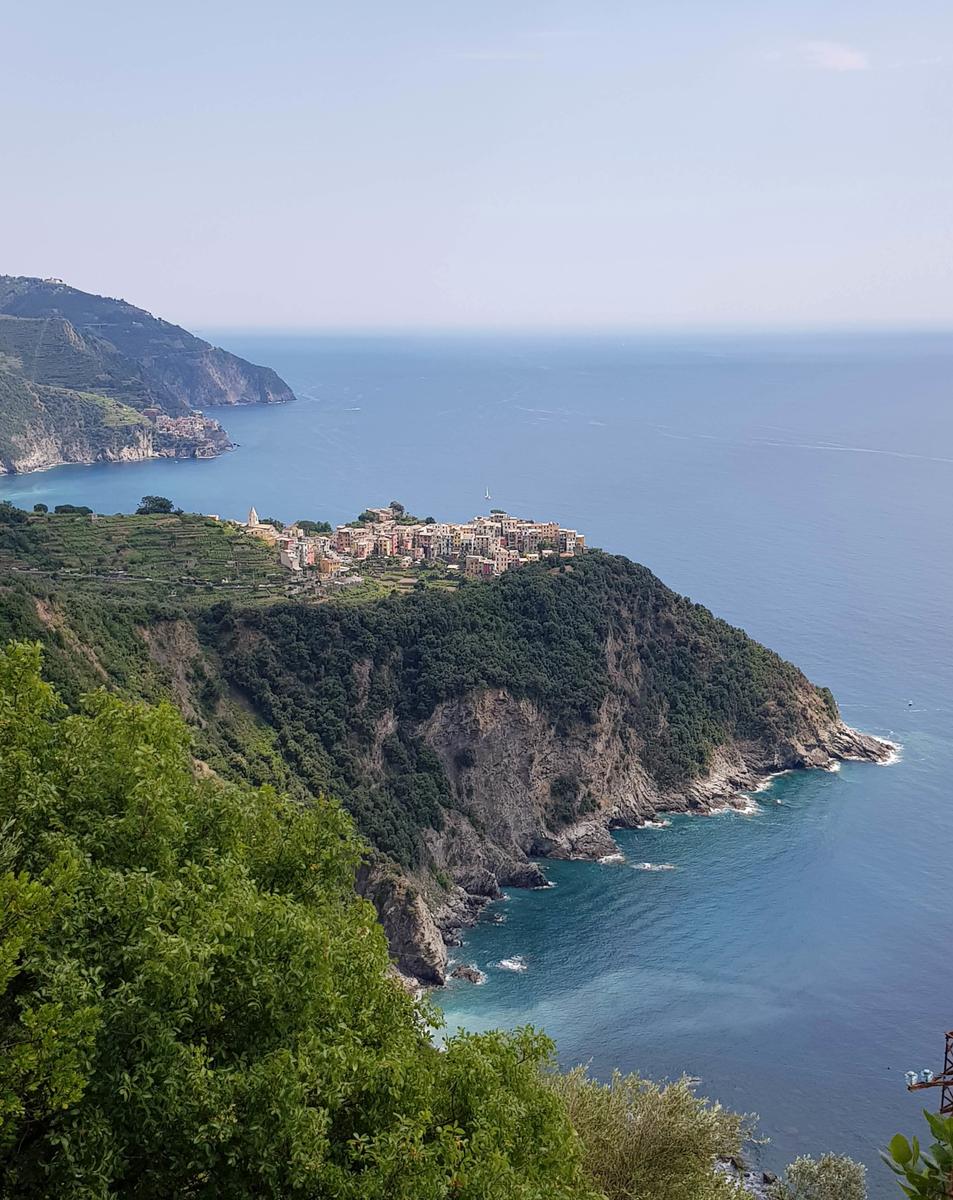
x,y
501,162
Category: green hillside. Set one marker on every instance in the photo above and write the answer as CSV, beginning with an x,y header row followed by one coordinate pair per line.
x,y
293,692
181,370
201,555
51,352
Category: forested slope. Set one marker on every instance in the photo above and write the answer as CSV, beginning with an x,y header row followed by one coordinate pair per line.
x,y
466,731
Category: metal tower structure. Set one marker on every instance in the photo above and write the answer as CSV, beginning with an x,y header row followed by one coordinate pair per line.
x,y
944,1081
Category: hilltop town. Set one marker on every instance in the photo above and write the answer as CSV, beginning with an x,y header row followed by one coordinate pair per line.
x,y
480,548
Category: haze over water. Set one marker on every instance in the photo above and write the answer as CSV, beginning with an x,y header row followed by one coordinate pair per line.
x,y
797,960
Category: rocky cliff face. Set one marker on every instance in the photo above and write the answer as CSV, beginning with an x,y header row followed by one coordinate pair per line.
x,y
472,733
43,427
506,762
204,375
38,449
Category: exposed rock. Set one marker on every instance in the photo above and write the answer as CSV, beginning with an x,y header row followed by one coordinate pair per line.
x,y
468,972
750,1184
515,754
416,942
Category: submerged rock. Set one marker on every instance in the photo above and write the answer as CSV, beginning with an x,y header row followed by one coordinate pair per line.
x,y
468,972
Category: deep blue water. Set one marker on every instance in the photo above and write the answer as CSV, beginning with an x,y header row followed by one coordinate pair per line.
x,y
799,960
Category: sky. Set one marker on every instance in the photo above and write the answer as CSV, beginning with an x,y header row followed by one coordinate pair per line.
x,y
497,164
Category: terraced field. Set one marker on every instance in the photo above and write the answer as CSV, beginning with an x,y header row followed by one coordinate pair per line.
x,y
140,555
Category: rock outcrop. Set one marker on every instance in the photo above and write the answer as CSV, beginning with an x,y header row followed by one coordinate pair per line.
x,y
515,758
416,943
474,733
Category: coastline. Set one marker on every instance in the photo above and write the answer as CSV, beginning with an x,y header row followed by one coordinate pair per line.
x,y
118,460
592,841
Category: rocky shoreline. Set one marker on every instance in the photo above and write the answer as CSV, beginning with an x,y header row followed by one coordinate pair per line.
x,y
140,443
423,924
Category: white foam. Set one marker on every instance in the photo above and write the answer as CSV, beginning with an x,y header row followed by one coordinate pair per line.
x,y
893,757
653,866
516,963
655,823
743,806
611,858
768,780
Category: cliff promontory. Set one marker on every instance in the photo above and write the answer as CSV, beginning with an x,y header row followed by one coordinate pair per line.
x,y
469,732
89,379
473,733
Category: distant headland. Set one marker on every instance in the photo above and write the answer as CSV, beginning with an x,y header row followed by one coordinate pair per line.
x,y
86,379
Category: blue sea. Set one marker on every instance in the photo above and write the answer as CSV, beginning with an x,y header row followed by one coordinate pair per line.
x,y
797,960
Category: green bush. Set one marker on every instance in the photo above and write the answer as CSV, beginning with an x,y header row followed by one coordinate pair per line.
x,y
646,1142
830,1177
924,1175
154,505
193,1001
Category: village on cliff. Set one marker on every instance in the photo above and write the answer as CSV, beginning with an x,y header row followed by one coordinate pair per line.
x,y
480,548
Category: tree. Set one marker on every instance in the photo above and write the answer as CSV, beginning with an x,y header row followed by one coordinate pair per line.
x,y
311,528
194,1002
924,1176
41,508
81,510
150,505
397,508
830,1177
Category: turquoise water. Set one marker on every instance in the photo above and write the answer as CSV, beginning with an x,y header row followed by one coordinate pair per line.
x,y
797,961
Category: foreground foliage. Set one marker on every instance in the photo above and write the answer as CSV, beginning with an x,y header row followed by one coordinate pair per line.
x,y
924,1175
830,1177
644,1141
193,1002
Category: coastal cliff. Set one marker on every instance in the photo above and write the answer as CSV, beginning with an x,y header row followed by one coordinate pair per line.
x,y
87,379
523,791
469,733
475,733
181,370
520,775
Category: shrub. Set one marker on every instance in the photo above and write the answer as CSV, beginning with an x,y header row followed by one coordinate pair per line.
x,y
642,1141
830,1177
924,1176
